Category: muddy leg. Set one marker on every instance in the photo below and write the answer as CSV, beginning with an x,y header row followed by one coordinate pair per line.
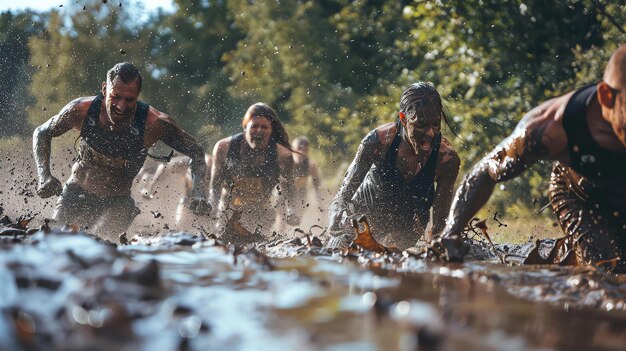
x,y
598,235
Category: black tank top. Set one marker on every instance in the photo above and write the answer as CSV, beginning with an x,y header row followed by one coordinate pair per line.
x,y
587,157
126,145
387,197
268,172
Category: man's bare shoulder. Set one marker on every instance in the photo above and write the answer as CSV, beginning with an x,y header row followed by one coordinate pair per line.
x,y
82,104
549,111
157,118
75,111
540,133
79,106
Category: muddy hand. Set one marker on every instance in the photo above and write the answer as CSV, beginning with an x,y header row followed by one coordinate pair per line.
x,y
199,207
452,247
49,187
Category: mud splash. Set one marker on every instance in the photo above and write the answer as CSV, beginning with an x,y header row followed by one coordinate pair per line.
x,y
69,291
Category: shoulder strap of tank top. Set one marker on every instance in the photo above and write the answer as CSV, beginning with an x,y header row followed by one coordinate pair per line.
x,y
141,116
93,112
574,118
392,151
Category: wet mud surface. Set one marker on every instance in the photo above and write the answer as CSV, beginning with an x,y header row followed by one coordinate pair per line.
x,y
69,291
62,290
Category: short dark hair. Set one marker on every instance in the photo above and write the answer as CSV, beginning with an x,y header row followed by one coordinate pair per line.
x,y
125,71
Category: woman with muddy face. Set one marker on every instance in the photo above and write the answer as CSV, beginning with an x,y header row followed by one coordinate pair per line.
x,y
247,168
401,170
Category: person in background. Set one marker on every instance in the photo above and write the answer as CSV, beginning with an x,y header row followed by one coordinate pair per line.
x,y
303,169
248,167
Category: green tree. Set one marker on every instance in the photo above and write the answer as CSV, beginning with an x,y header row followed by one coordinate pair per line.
x,y
15,31
78,47
187,55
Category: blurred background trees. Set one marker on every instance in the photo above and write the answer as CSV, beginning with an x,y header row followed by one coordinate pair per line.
x,y
333,69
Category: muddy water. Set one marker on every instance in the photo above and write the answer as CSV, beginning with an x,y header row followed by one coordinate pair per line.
x,y
69,291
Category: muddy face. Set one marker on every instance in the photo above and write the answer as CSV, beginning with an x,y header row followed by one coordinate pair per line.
x,y
120,102
257,132
422,124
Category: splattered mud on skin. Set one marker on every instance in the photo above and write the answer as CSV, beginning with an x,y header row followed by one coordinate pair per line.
x,y
70,291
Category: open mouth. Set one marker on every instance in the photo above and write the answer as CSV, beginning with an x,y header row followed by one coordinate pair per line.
x,y
424,144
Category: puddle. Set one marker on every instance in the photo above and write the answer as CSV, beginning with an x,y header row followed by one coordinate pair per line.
x,y
68,291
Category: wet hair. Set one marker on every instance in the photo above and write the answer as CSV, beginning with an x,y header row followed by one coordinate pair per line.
x,y
427,97
260,109
126,72
423,93
300,140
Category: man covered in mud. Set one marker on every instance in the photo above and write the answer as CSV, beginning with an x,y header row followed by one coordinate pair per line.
x,y
393,175
116,129
247,167
584,131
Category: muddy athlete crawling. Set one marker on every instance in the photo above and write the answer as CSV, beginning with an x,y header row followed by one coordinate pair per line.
x,y
248,166
585,132
393,175
116,130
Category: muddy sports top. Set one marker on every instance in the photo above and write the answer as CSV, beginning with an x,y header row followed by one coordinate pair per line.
x,y
587,157
388,200
268,172
123,150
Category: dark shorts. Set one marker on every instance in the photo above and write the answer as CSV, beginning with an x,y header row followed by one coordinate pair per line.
x,y
100,214
598,231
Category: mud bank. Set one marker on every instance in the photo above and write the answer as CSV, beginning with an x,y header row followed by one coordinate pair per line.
x,y
69,291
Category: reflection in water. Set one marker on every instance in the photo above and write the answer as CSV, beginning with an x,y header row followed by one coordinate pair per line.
x,y
69,291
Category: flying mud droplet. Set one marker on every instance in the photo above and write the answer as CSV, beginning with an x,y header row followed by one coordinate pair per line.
x,y
104,1
120,4
122,51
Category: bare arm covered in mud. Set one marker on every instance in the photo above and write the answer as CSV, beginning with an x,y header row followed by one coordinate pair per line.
x,y
538,136
366,155
285,162
447,171
179,140
71,116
